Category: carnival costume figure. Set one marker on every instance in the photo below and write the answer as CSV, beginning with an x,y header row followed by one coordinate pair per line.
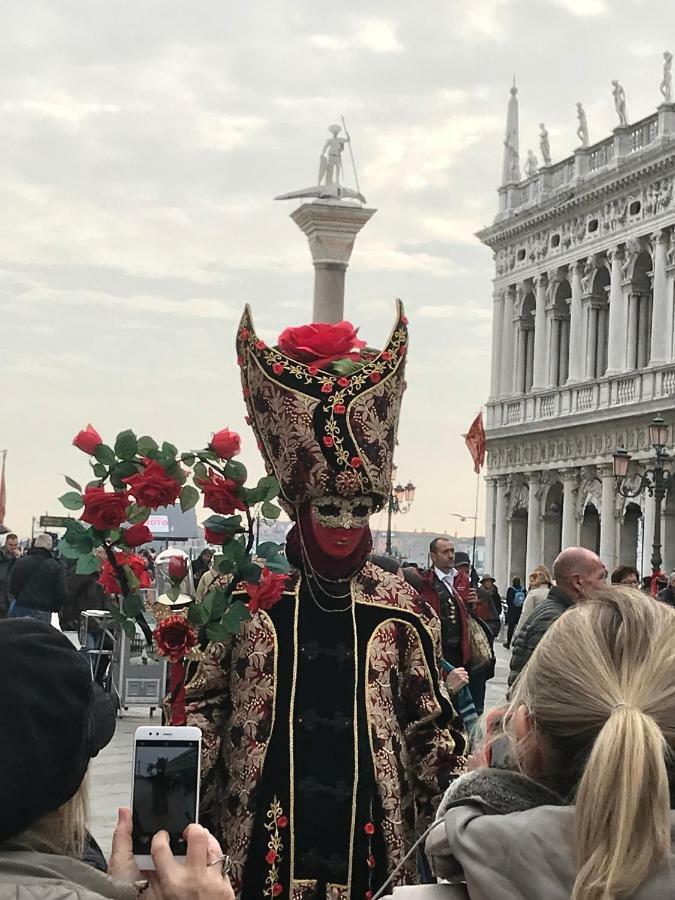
x,y
328,736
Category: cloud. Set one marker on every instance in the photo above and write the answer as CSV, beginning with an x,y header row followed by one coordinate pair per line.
x,y
585,9
375,35
465,312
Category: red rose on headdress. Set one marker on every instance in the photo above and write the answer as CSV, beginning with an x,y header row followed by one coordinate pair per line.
x,y
214,537
108,578
175,637
104,510
321,343
225,443
153,487
178,568
267,592
220,494
136,535
88,440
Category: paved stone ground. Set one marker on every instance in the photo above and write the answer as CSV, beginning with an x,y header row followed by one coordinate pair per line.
x,y
110,775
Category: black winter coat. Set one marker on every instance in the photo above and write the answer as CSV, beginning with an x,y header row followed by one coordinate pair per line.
x,y
536,626
39,581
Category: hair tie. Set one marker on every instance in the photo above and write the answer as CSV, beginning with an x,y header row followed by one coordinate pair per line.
x,y
618,705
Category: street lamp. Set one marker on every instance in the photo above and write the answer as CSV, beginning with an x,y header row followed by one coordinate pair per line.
x,y
656,481
400,501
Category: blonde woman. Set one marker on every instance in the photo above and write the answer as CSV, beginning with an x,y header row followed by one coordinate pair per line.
x,y
582,806
538,586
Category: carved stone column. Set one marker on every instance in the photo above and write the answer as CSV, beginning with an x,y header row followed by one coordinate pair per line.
x,y
616,359
506,380
539,380
608,521
591,339
570,522
534,555
576,325
643,332
490,497
501,545
659,349
632,338
554,352
497,327
648,521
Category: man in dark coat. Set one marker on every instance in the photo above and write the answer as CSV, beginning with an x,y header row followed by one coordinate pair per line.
x,y
38,583
9,553
577,572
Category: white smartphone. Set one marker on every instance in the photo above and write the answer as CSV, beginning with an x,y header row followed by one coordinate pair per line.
x,y
165,790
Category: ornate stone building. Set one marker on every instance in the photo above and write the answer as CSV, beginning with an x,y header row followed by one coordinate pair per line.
x,y
583,348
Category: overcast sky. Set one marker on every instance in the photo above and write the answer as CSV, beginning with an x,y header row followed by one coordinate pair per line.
x,y
141,146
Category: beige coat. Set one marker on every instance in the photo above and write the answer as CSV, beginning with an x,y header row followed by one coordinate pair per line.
x,y
27,874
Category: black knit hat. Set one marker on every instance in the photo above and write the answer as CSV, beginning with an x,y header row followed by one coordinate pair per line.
x,y
462,559
53,720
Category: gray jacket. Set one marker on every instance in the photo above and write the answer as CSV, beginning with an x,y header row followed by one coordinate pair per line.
x,y
27,874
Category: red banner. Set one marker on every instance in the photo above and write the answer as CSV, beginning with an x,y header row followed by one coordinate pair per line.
x,y
475,441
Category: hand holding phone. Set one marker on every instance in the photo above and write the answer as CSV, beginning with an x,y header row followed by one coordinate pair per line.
x,y
165,788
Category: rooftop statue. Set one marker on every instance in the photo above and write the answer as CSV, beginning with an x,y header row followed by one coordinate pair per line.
x,y
531,165
544,145
619,95
582,127
331,170
666,86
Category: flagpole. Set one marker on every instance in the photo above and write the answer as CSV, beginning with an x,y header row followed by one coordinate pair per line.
x,y
475,524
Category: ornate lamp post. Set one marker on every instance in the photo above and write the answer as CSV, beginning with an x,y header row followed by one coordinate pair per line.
x,y
400,501
656,481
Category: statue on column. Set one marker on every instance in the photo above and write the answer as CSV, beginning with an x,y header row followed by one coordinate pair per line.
x,y
582,126
329,737
619,95
328,186
544,145
531,165
666,86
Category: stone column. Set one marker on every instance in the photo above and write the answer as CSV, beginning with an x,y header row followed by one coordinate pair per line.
x,y
539,379
501,546
592,340
576,324
534,523
506,380
570,527
529,368
554,353
643,332
648,520
616,353
564,361
497,326
607,517
521,359
632,337
659,348
490,497
600,359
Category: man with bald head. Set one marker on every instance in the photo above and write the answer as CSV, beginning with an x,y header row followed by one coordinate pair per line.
x,y
577,572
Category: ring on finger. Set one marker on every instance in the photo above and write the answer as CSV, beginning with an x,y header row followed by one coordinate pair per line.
x,y
226,863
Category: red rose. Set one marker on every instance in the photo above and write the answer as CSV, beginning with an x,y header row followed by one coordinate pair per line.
x,y
277,889
136,535
109,579
260,345
369,828
270,858
402,349
244,334
375,377
355,462
225,443
313,370
343,382
220,494
328,441
267,592
214,537
282,821
246,392
386,355
175,637
153,487
240,360
404,320
326,387
178,568
88,440
278,368
104,510
321,343
339,409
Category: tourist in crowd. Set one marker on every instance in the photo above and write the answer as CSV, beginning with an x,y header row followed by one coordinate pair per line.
x,y
589,739
515,600
38,583
9,553
626,575
202,564
43,782
538,585
577,572
667,594
489,606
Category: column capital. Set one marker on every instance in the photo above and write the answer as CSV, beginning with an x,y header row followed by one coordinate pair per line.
x,y
604,470
533,477
490,480
500,480
569,475
540,280
661,236
617,252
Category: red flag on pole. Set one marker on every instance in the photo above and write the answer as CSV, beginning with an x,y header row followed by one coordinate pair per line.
x,y
3,489
475,441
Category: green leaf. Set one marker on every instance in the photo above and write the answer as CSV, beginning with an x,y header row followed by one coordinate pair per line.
x,y
188,459
129,628
268,487
236,471
126,445
132,605
208,454
270,511
219,602
173,593
132,579
189,497
224,565
345,366
100,470
173,468
200,471
217,632
197,614
70,551
88,564
146,445
267,550
136,514
279,564
235,615
169,449
249,571
73,484
105,455
71,500
78,535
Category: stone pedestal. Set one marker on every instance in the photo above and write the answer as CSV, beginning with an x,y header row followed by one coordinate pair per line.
x,y
666,119
622,141
331,227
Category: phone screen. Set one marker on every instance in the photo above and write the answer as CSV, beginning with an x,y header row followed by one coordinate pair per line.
x,y
165,792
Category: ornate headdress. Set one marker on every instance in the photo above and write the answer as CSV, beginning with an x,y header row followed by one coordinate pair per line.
x,y
321,432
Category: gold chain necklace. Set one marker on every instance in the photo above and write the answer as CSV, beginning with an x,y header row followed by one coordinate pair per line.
x,y
323,608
